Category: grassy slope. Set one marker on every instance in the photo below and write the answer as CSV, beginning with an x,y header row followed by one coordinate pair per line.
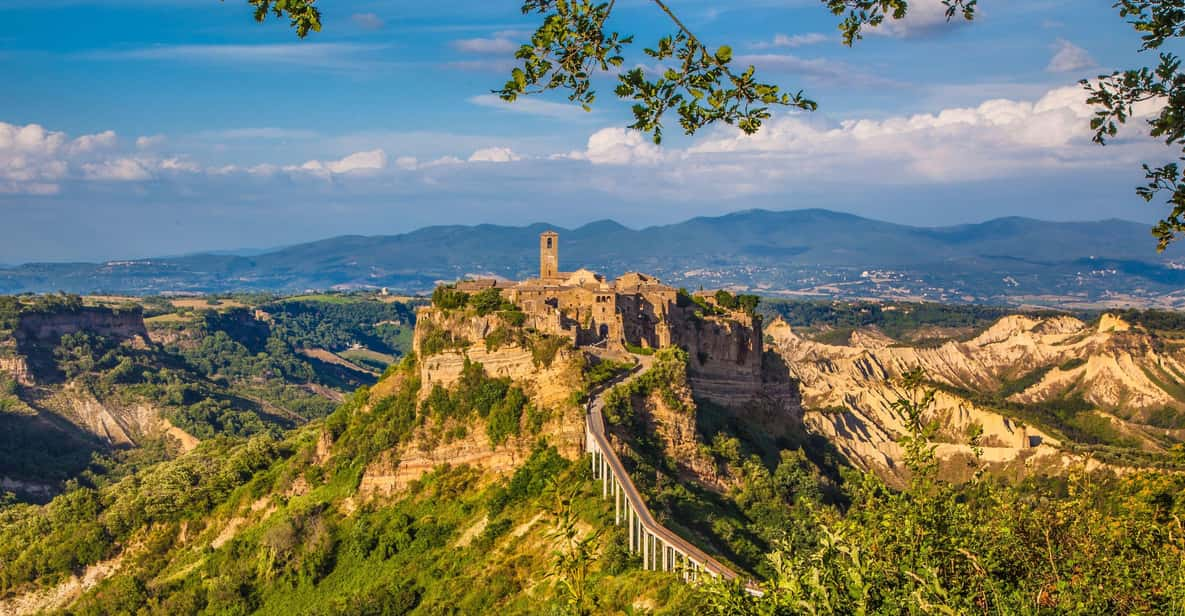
x,y
313,553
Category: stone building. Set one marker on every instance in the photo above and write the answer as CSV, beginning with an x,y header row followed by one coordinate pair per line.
x,y
585,306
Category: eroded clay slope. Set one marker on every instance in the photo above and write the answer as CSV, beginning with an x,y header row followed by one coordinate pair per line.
x,y
1124,374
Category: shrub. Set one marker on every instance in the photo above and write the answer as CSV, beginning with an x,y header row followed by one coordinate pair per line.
x,y
638,350
447,297
514,317
436,340
544,349
487,301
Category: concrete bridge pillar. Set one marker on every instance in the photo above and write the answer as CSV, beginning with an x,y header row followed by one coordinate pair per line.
x,y
630,521
616,503
645,550
604,478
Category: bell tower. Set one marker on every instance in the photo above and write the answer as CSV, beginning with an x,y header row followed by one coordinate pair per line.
x,y
549,254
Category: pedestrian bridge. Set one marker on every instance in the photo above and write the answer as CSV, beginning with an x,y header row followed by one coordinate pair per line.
x,y
661,549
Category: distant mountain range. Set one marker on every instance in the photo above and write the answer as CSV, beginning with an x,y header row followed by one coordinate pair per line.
x,y
809,253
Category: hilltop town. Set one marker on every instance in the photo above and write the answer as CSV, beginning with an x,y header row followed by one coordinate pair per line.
x,y
635,310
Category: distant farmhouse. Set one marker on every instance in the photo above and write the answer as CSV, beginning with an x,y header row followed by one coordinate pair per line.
x,y
635,309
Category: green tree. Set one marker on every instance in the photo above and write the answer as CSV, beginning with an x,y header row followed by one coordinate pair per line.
x,y
486,301
448,297
1160,22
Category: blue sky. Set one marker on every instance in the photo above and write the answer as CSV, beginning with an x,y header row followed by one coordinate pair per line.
x,y
132,128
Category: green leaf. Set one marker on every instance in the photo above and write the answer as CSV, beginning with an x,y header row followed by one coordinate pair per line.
x,y
724,54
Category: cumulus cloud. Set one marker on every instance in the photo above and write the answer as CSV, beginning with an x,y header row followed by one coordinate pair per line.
x,y
117,170
997,138
372,160
1069,58
33,159
794,41
494,155
620,146
88,143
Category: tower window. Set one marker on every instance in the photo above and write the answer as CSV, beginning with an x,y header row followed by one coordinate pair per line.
x,y
549,242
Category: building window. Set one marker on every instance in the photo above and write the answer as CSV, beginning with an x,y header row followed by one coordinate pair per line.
x,y
549,242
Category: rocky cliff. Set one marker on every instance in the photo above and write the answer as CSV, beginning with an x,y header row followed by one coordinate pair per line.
x,y
1117,372
43,327
725,354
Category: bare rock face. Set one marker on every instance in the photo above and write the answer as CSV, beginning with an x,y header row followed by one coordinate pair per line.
x,y
115,424
1114,367
18,369
42,327
725,355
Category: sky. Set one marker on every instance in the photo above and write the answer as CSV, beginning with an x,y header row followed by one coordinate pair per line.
x,y
139,128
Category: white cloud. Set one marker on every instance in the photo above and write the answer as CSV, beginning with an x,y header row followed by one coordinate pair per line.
x,y
794,41
179,164
88,143
492,45
372,160
117,170
148,142
31,138
1069,58
31,159
494,155
620,146
367,21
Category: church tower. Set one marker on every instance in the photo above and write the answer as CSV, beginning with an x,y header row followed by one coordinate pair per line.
x,y
549,254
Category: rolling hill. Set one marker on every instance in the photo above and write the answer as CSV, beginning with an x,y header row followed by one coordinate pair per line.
x,y
809,252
